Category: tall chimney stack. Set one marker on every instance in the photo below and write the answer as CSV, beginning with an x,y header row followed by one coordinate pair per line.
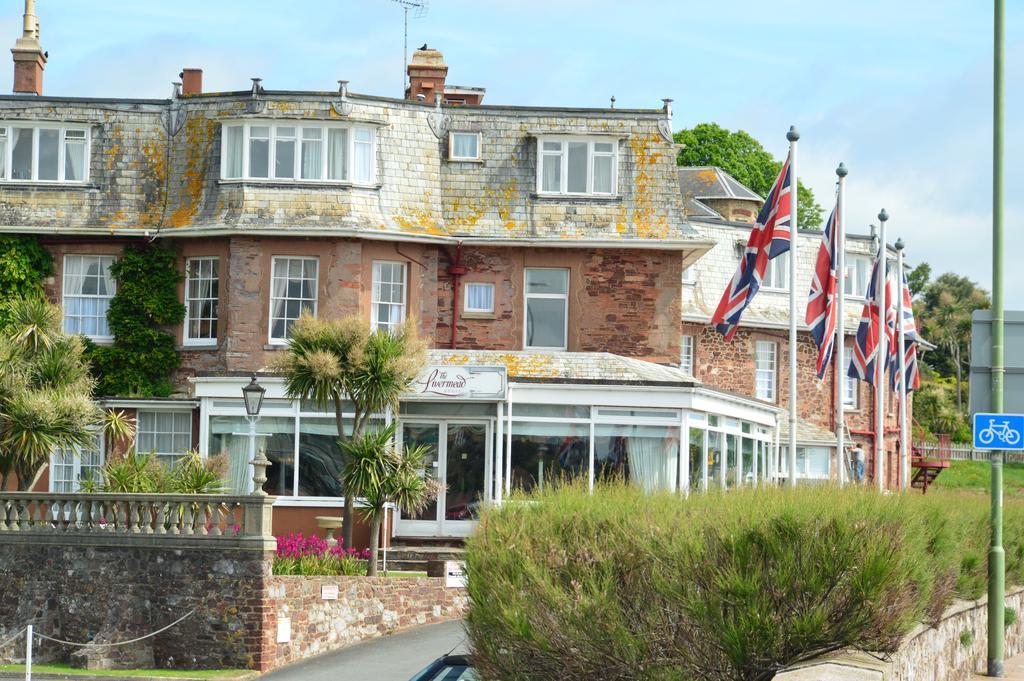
x,y
427,72
29,58
191,81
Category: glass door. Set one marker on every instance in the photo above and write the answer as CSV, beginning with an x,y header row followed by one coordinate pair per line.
x,y
427,522
456,458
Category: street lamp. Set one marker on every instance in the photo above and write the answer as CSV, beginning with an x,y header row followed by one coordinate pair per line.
x,y
252,395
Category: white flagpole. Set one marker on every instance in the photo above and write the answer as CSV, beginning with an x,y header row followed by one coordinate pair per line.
x,y
901,348
792,136
880,354
840,342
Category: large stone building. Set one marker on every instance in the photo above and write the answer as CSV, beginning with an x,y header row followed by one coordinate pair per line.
x,y
540,250
756,361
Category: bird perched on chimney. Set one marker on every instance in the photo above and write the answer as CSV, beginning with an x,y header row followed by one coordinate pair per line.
x,y
424,46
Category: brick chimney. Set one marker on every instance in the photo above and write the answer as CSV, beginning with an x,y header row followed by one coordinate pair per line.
x,y
191,81
29,58
427,72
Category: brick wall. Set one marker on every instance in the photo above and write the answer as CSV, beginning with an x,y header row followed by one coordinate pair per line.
x,y
365,608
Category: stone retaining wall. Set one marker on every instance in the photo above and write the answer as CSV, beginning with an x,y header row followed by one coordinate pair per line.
x,y
955,650
365,608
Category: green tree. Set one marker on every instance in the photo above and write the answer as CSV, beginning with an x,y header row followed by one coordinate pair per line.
x,y
944,311
382,474
743,157
23,266
45,393
330,362
918,278
142,358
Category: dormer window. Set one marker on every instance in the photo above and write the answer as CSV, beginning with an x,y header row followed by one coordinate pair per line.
x,y
44,152
576,166
464,146
298,152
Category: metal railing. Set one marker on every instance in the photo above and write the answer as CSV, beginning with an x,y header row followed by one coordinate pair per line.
x,y
168,515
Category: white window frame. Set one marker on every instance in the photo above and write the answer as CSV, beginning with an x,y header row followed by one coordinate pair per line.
x,y
451,145
766,368
851,397
376,322
777,267
76,465
185,337
857,291
686,353
564,166
549,296
297,178
7,142
167,458
274,260
105,339
688,275
478,310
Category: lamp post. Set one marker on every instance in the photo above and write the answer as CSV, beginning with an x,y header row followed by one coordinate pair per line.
x,y
252,395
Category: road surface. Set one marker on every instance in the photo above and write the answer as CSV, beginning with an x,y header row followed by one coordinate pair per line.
x,y
391,658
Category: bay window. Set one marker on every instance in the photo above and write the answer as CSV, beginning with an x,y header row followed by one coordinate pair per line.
x,y
547,308
88,288
43,152
298,151
576,166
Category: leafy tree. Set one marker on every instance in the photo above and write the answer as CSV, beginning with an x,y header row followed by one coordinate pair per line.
x,y
918,278
142,358
45,393
382,474
330,362
23,266
743,157
944,310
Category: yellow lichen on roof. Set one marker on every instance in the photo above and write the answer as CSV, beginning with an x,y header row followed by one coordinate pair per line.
x,y
707,176
645,218
199,134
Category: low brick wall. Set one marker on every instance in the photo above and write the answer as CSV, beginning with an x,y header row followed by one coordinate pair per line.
x,y
365,608
927,654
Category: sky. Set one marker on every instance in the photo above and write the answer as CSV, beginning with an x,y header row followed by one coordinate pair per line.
x,y
898,90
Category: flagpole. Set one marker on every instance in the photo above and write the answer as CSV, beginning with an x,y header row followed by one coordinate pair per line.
x,y
881,353
901,348
840,342
792,136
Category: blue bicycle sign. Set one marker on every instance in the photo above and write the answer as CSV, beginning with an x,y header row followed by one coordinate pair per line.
x,y
999,431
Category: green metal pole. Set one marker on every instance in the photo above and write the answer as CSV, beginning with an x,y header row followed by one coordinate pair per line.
x,y
996,555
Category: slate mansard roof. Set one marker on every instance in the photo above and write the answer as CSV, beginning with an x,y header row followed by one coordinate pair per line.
x,y
155,166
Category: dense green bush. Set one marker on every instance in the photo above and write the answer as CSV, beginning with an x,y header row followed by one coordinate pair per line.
x,y
24,264
622,585
144,474
142,358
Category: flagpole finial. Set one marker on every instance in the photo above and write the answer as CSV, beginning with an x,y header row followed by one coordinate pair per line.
x,y
883,215
899,244
841,171
793,135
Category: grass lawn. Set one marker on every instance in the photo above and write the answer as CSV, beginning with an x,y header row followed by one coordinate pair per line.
x,y
171,673
402,573
977,476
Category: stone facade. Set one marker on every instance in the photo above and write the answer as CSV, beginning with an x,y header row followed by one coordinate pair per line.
x,y
365,608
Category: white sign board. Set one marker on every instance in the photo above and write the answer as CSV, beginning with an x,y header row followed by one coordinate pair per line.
x,y
284,630
329,592
454,574
444,382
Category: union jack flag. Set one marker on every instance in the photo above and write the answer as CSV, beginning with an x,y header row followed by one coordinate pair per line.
x,y
910,336
821,302
768,239
865,346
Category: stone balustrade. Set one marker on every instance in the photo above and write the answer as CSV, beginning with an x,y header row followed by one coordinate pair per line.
x,y
163,517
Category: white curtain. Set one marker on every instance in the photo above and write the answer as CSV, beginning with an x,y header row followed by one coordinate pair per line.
x,y
652,462
337,150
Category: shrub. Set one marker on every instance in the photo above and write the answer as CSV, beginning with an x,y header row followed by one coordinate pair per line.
x,y
144,474
1009,617
623,585
310,555
966,638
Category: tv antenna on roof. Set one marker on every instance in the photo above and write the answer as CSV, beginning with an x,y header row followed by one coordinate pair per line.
x,y
419,10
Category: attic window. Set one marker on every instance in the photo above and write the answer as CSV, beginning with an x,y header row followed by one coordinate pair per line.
x,y
44,152
298,153
576,166
464,146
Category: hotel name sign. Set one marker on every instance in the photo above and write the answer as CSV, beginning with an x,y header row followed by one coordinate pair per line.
x,y
446,382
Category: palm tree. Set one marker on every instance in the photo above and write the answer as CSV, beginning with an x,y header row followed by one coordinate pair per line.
x,y
382,474
948,325
331,362
45,393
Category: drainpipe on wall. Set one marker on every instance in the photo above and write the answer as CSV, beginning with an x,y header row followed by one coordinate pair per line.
x,y
456,270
